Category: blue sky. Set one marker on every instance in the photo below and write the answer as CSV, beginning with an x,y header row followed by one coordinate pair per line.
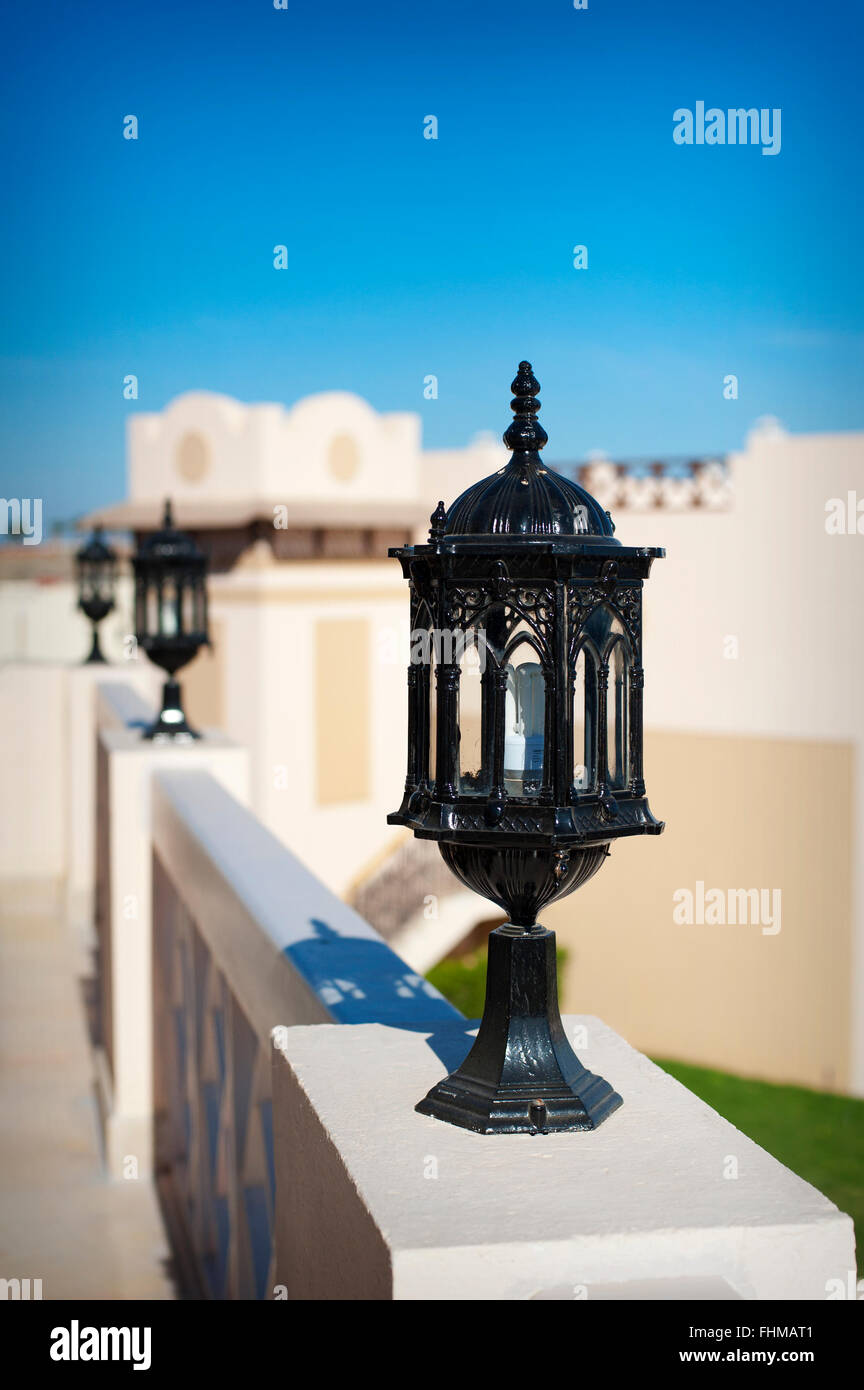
x,y
410,256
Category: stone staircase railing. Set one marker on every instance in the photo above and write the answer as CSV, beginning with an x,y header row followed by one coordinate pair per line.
x,y
396,889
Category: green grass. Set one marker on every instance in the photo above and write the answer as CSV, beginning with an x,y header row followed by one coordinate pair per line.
x,y
820,1136
462,981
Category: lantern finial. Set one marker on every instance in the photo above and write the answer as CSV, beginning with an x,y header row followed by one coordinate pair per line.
x,y
439,522
525,435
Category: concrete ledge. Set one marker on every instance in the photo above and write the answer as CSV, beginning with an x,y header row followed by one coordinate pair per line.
x,y
376,1201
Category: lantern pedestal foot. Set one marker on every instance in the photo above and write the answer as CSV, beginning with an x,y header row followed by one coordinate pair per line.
x,y
521,1076
171,724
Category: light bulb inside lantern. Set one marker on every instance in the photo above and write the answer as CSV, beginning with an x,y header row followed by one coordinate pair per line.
x,y
525,715
168,617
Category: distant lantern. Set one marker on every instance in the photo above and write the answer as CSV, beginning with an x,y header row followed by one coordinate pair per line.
x,y
524,751
96,566
170,615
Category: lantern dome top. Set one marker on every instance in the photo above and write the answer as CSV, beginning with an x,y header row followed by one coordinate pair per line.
x,y
525,497
169,543
95,551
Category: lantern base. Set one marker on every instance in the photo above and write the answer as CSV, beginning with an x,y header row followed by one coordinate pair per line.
x,y
171,726
521,1076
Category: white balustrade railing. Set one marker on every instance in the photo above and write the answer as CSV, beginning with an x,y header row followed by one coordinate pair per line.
x,y
700,483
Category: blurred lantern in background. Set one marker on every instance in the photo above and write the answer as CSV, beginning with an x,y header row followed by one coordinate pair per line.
x,y
524,750
170,615
96,565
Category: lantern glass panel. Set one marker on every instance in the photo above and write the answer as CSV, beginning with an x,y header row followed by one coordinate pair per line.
x,y
151,627
421,656
474,778
603,626
168,609
524,721
187,608
431,673
201,602
616,716
584,706
95,581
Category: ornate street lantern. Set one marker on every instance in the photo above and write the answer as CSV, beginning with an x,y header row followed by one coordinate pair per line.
x,y
96,565
170,615
524,751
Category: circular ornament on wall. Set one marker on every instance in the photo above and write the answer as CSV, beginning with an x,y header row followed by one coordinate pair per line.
x,y
193,458
343,458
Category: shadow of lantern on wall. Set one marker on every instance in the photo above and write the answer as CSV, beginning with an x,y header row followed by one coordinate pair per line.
x,y
170,616
524,751
96,567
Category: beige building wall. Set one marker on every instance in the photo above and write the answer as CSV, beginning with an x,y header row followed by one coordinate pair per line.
x,y
743,812
203,682
768,574
286,633
343,726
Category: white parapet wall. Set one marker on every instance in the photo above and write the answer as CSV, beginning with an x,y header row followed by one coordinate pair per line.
x,y
96,697
126,764
244,936
35,775
664,1200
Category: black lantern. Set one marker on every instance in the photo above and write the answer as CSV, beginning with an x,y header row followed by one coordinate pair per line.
x,y
524,751
170,615
96,565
